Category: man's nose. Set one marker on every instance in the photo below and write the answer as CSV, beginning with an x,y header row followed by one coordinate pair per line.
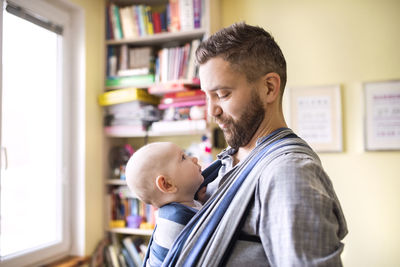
x,y
213,109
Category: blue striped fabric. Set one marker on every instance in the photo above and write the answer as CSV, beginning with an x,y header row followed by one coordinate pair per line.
x,y
202,241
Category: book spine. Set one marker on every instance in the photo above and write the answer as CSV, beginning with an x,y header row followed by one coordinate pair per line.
x,y
186,15
190,93
197,13
174,25
135,24
117,23
127,241
191,73
109,26
149,20
126,95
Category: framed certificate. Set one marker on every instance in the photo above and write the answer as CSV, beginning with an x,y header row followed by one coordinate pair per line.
x,y
382,115
316,116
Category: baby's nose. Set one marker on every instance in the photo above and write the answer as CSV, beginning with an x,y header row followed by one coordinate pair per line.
x,y
194,159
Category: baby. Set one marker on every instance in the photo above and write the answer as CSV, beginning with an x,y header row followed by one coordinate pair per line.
x,y
162,175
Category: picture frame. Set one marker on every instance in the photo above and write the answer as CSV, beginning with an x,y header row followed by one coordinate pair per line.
x,y
316,116
382,115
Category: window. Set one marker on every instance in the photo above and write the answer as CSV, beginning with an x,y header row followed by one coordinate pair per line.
x,y
36,133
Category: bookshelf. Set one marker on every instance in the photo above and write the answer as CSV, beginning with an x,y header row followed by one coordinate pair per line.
x,y
121,48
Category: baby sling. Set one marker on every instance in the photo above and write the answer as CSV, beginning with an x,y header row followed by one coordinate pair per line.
x,y
208,237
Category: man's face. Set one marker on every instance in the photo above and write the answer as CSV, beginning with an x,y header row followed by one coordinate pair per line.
x,y
235,104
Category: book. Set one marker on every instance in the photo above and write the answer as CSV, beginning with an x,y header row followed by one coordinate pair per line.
x,y
149,20
135,23
123,57
116,22
128,258
186,15
126,22
133,72
113,256
132,250
140,57
191,72
184,96
174,25
179,126
197,14
162,88
122,261
140,19
137,80
126,95
196,102
109,26
124,130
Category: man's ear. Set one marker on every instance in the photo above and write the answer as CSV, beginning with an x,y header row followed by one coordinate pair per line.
x,y
272,83
164,185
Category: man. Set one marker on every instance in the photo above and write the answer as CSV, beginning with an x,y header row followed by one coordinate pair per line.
x,y
272,204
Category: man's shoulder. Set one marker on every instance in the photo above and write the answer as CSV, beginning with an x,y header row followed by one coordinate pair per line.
x,y
293,172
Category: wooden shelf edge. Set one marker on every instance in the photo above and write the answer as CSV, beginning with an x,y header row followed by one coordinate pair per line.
x,y
115,182
160,37
131,231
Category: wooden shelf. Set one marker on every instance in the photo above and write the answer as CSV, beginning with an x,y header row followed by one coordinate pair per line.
x,y
161,38
115,182
198,127
131,231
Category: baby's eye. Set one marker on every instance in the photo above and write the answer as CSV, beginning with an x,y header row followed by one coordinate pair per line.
x,y
183,156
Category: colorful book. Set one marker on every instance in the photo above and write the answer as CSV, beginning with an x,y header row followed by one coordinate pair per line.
x,y
184,96
197,13
174,25
117,23
137,80
149,20
126,95
163,88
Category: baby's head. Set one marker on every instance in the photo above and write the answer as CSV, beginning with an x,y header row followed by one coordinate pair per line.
x,y
161,173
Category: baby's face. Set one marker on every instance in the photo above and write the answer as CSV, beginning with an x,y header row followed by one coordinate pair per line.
x,y
184,170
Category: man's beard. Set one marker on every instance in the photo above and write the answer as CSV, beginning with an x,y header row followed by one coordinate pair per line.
x,y
239,133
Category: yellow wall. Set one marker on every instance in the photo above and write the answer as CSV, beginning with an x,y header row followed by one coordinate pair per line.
x,y
345,42
94,188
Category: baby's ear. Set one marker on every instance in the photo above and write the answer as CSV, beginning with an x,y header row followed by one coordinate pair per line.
x,y
164,185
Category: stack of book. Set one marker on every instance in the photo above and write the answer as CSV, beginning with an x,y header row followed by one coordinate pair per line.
x,y
176,63
120,252
183,99
129,108
129,66
141,20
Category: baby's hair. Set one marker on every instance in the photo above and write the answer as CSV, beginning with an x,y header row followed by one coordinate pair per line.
x,y
142,169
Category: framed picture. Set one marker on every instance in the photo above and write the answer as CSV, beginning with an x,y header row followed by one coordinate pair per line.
x,y
316,116
382,115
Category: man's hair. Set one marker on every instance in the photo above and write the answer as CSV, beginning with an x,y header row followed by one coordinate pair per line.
x,y
250,49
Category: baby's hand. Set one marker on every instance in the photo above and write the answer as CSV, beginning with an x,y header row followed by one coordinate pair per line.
x,y
201,194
